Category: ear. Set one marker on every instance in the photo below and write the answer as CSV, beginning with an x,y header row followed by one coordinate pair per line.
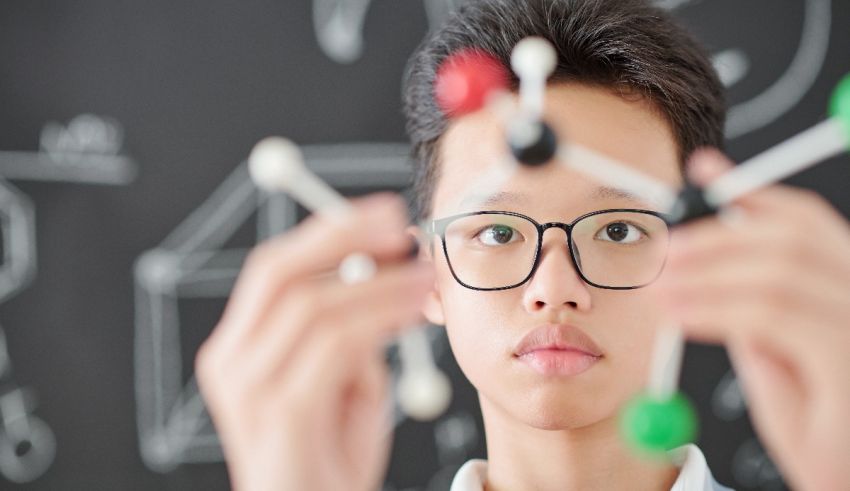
x,y
432,309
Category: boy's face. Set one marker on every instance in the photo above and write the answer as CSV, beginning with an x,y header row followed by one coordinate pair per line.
x,y
486,327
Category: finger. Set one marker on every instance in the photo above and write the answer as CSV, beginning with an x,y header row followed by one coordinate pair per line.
x,y
795,310
368,422
767,258
377,307
324,366
698,295
339,383
794,204
375,227
720,316
793,406
822,251
706,165
770,381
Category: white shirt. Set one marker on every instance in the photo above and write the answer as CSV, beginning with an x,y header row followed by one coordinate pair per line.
x,y
694,474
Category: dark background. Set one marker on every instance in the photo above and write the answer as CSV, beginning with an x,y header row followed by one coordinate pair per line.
x,y
195,85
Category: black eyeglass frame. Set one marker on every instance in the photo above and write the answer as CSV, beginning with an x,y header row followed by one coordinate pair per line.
x,y
439,226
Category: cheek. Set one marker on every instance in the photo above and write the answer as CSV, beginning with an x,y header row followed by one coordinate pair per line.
x,y
628,320
477,326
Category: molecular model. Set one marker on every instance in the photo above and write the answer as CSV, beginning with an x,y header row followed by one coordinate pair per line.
x,y
662,418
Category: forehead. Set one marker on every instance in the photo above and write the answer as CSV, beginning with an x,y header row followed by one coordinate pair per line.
x,y
629,130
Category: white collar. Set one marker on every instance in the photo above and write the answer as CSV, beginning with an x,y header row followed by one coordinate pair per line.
x,y
694,474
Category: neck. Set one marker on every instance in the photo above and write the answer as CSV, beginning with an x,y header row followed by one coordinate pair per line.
x,y
521,457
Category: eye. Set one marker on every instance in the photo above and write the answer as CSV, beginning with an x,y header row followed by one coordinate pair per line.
x,y
621,233
497,235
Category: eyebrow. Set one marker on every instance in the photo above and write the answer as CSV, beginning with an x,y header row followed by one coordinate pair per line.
x,y
606,192
501,197
597,194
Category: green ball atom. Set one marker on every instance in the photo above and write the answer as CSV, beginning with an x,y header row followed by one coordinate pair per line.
x,y
655,426
839,106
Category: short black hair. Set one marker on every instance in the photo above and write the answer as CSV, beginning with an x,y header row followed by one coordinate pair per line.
x,y
628,45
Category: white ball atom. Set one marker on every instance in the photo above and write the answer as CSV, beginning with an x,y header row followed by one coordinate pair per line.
x,y
533,57
424,394
275,163
357,268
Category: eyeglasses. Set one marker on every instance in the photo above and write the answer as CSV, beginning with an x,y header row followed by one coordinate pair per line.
x,y
617,249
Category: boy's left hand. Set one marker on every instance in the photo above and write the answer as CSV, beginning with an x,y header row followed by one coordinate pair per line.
x,y
771,281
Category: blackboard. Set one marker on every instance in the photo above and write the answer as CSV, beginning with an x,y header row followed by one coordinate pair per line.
x,y
127,211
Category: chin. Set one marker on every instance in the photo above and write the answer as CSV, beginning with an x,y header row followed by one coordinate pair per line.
x,y
554,407
563,411
556,404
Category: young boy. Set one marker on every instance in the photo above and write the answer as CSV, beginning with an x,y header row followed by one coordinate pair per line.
x,y
294,374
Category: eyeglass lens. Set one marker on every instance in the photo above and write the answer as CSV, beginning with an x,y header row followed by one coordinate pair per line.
x,y
613,249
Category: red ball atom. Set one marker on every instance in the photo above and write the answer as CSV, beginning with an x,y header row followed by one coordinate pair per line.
x,y
465,79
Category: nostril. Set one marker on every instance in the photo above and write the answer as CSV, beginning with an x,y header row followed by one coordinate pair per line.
x,y
540,304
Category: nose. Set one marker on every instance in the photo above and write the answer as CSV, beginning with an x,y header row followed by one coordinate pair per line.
x,y
556,285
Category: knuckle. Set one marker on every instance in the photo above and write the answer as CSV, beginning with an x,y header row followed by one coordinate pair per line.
x,y
794,250
205,361
781,240
816,207
296,400
776,295
260,254
775,290
392,214
755,315
259,259
296,407
812,198
381,202
269,260
302,301
346,344
213,382
332,339
355,225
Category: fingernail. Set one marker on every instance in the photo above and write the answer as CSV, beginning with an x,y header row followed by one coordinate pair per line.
x,y
423,275
381,203
681,311
665,293
705,165
732,216
670,302
389,214
679,244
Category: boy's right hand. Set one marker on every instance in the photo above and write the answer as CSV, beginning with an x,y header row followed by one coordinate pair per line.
x,y
294,375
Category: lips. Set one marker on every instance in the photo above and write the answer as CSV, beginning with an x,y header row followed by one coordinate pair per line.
x,y
558,349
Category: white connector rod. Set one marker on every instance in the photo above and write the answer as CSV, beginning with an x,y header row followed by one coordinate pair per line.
x,y
276,164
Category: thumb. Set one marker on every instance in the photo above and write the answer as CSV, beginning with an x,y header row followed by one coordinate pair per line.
x,y
706,165
770,381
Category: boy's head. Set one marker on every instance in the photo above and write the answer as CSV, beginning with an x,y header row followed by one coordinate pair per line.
x,y
629,84
626,46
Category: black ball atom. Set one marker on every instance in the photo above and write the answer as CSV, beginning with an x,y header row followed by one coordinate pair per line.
x,y
690,204
532,143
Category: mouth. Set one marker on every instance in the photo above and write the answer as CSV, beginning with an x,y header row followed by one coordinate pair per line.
x,y
558,349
